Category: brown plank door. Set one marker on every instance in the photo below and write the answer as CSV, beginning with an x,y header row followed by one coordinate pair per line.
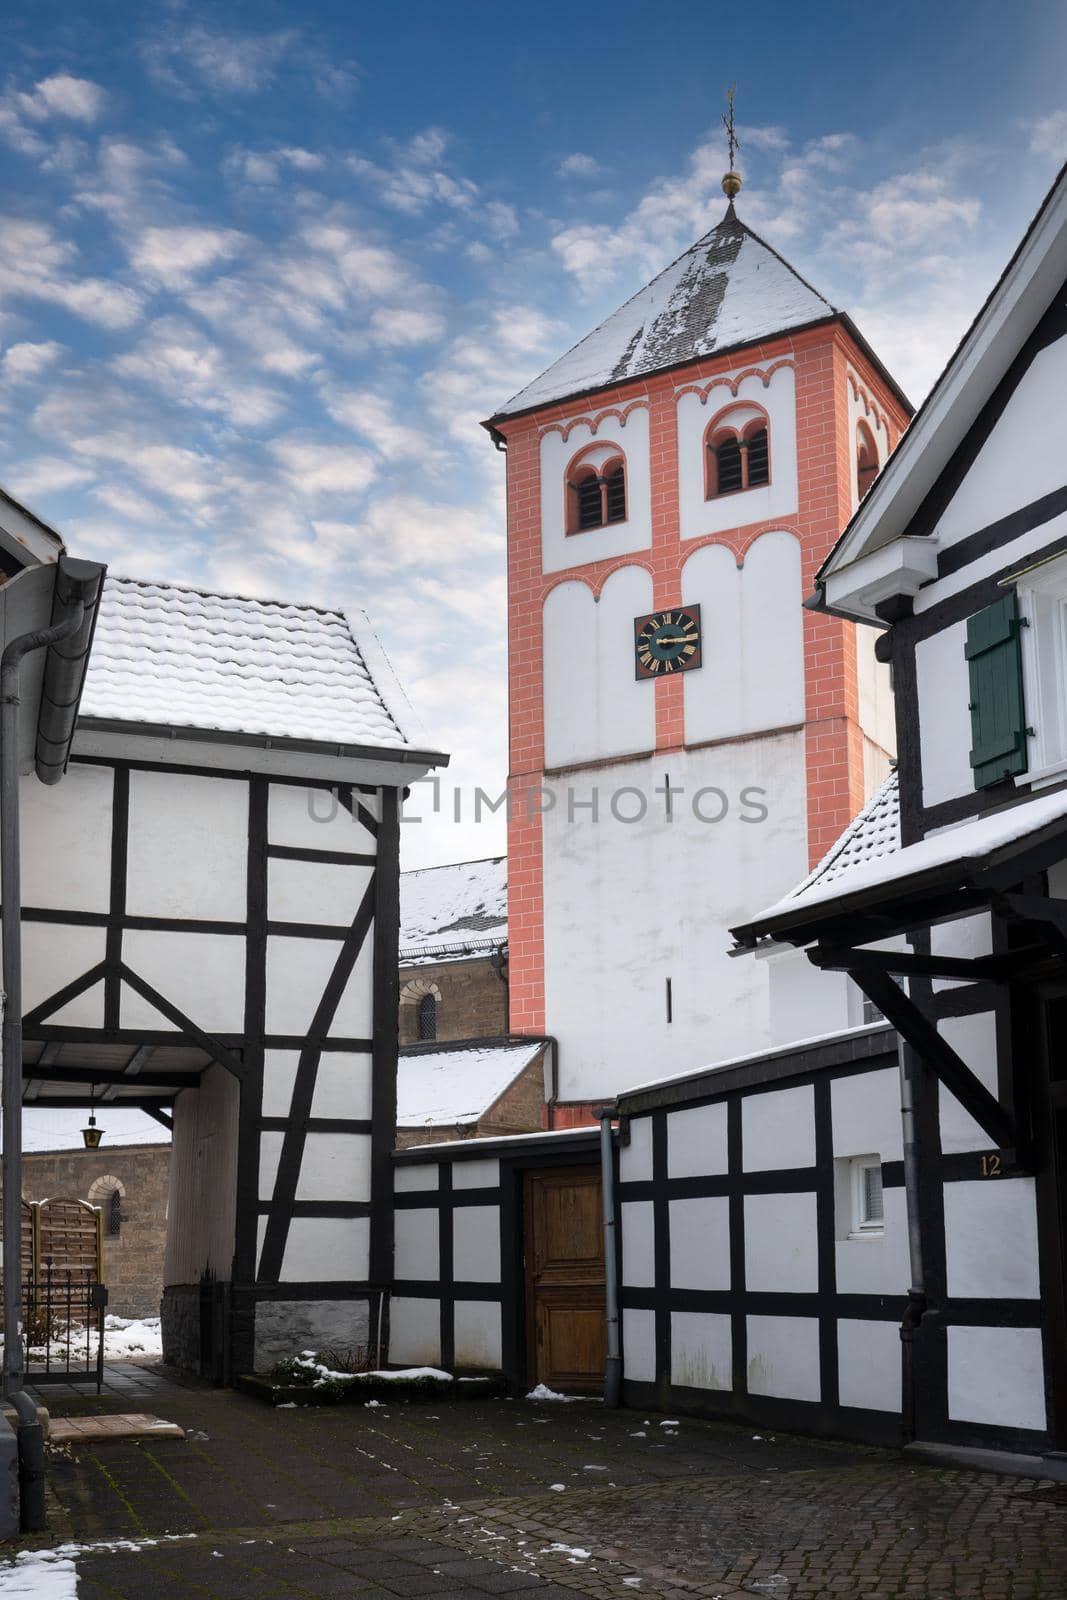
x,y
566,1338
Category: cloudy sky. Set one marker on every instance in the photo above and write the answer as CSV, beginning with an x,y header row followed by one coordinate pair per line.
x,y
264,268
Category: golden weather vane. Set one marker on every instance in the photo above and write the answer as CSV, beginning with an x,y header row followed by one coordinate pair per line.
x,y
731,183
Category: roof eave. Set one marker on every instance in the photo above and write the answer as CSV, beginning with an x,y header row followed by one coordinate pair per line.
x,y
401,755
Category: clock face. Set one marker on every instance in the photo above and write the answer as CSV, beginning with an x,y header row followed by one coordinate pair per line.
x,y
667,642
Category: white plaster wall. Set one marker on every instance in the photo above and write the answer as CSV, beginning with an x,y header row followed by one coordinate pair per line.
x,y
409,1180
476,1244
414,1331
776,499
560,550
876,1263
701,1350
314,891
968,936
696,1142
996,1376
638,1244
188,847
752,677
416,1251
69,823
203,974
700,1243
311,819
635,1158
781,1244
628,905
974,1040
54,955
481,1174
1030,429
868,1364
804,1001
336,1166
477,1334
877,710
639,1345
778,1129
991,1239
783,1357
865,1113
944,721
298,971
594,705
342,1084
203,1162
325,1249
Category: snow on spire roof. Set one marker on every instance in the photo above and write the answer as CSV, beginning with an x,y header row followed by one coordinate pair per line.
x,y
172,656
728,289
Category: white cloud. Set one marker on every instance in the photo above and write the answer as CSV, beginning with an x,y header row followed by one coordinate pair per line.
x,y
265,167
180,361
126,502
1048,136
173,256
374,416
228,63
65,96
315,469
400,327
579,166
35,265
45,475
27,360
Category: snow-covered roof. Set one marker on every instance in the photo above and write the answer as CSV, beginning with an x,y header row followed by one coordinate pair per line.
x,y
874,832
165,655
61,1129
455,911
731,1063
968,843
446,1087
728,289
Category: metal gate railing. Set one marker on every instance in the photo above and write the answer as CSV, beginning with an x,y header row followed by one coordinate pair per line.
x,y
63,1325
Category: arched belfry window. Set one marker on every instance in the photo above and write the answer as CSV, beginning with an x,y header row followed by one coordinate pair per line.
x,y
866,459
737,451
428,1017
596,489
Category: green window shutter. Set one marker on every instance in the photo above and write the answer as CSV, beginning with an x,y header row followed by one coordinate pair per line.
x,y
998,716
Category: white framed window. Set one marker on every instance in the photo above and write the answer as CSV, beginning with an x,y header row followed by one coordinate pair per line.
x,y
1042,594
867,1207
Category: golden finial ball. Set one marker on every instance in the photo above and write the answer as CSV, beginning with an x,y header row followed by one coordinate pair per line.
x,y
731,184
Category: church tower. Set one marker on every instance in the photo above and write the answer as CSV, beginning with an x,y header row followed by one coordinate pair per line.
x,y
685,738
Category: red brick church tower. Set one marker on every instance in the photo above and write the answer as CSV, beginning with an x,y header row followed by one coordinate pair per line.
x,y
685,738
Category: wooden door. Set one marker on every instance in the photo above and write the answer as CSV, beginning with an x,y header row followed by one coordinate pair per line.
x,y
566,1337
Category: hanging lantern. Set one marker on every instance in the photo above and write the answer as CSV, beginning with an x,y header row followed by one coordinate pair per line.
x,y
92,1135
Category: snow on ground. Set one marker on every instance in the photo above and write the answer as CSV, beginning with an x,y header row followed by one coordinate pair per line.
x,y
133,1339
52,1575
543,1392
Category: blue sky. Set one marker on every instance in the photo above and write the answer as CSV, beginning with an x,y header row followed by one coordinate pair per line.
x,y
264,268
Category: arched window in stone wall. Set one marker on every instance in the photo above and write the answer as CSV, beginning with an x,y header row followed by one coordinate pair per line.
x,y
737,451
108,1193
428,1017
420,1008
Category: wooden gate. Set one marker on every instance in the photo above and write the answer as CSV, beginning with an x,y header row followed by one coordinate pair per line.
x,y
566,1333
63,1291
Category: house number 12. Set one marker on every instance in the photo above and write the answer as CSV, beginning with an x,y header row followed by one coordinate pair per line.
x,y
991,1166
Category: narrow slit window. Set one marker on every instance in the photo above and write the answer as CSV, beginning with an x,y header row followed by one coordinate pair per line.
x,y
114,1214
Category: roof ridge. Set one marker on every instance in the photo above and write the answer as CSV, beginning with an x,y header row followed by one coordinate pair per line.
x,y
225,594
441,866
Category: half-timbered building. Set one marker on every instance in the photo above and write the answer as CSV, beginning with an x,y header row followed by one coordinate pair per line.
x,y
958,935
210,916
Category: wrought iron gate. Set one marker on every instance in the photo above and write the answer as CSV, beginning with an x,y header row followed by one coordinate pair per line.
x,y
63,1293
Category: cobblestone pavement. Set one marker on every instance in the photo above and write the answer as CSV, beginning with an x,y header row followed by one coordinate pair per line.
x,y
465,1500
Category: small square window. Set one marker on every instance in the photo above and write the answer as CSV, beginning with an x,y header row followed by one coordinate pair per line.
x,y
868,1209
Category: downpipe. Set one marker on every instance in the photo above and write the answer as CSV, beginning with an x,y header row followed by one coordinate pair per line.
x,y
613,1363
910,1063
30,1439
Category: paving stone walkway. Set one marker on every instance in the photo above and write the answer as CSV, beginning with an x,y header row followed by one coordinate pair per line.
x,y
465,1500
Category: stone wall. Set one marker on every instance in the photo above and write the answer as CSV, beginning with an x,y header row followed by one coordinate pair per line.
x,y
471,1000
133,1259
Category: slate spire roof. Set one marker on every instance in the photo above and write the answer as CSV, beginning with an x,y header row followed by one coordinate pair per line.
x,y
728,289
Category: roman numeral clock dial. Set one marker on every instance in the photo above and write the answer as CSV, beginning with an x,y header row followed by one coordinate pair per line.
x,y
666,642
